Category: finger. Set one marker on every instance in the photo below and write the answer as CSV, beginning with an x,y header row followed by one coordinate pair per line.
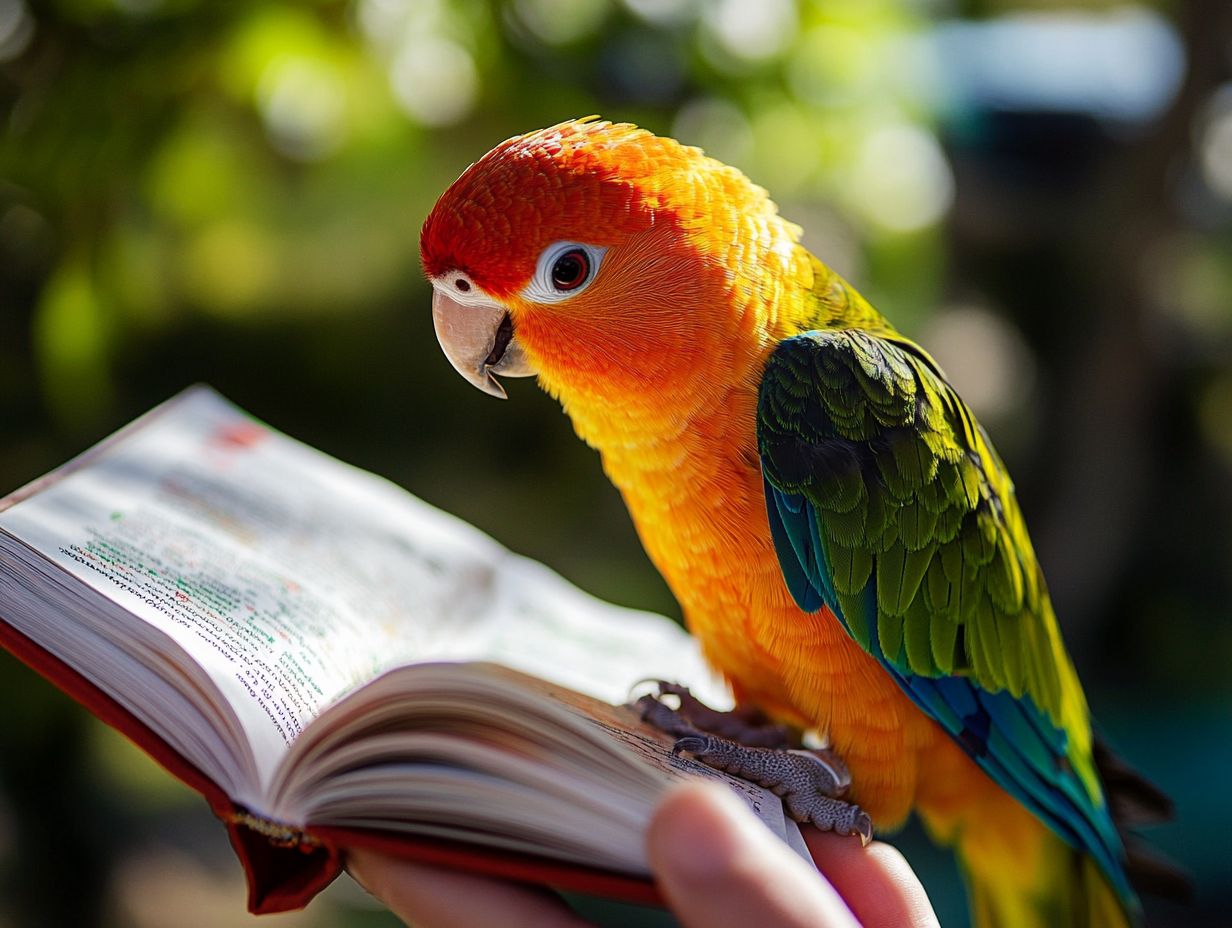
x,y
877,883
430,897
718,865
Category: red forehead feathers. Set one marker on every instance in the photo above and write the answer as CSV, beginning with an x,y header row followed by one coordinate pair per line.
x,y
575,181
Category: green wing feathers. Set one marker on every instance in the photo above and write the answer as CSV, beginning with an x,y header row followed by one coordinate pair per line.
x,y
904,479
888,504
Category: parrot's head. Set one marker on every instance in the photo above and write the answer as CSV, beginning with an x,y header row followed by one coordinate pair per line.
x,y
618,266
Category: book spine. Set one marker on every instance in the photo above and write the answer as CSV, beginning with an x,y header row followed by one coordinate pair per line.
x,y
285,866
276,833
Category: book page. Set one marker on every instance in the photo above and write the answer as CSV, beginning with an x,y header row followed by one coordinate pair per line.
x,y
655,747
481,753
292,578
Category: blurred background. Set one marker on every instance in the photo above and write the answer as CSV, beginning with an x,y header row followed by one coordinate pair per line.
x,y
1041,192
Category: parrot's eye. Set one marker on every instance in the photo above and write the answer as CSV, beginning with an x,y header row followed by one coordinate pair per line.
x,y
563,270
570,270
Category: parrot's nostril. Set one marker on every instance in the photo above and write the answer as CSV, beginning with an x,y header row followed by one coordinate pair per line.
x,y
504,335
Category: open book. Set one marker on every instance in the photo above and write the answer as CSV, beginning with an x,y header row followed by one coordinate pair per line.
x,y
334,663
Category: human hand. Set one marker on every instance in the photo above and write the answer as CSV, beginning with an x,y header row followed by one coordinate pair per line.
x,y
714,862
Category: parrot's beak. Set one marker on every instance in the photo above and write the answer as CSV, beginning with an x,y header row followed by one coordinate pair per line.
x,y
478,339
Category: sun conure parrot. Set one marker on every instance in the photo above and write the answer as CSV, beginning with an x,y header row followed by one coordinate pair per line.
x,y
843,539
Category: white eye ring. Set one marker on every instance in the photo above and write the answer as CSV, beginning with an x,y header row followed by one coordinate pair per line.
x,y
461,289
546,286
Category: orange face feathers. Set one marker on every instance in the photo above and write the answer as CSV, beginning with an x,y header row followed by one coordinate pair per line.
x,y
697,267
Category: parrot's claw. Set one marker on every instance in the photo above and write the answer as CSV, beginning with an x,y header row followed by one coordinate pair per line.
x,y
662,716
744,724
811,783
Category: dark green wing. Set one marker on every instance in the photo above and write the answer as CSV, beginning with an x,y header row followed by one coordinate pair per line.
x,y
889,506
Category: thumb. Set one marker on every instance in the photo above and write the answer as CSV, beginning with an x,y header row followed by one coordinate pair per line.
x,y
718,865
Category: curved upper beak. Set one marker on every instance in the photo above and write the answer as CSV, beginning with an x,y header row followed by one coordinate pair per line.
x,y
478,339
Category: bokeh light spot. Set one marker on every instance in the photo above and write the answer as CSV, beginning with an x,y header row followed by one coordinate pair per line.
x,y
561,22
1215,147
434,80
1123,63
832,64
985,357
751,31
201,170
16,28
1190,279
385,23
72,339
788,147
900,181
303,103
230,267
663,12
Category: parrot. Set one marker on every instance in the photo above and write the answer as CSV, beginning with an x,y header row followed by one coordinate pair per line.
x,y
843,539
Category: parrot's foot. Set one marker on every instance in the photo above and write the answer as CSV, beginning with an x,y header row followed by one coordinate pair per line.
x,y
811,783
743,724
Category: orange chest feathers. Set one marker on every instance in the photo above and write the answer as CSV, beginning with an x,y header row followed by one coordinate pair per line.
x,y
698,502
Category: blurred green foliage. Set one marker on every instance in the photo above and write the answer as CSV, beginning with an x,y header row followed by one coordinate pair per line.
x,y
232,192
